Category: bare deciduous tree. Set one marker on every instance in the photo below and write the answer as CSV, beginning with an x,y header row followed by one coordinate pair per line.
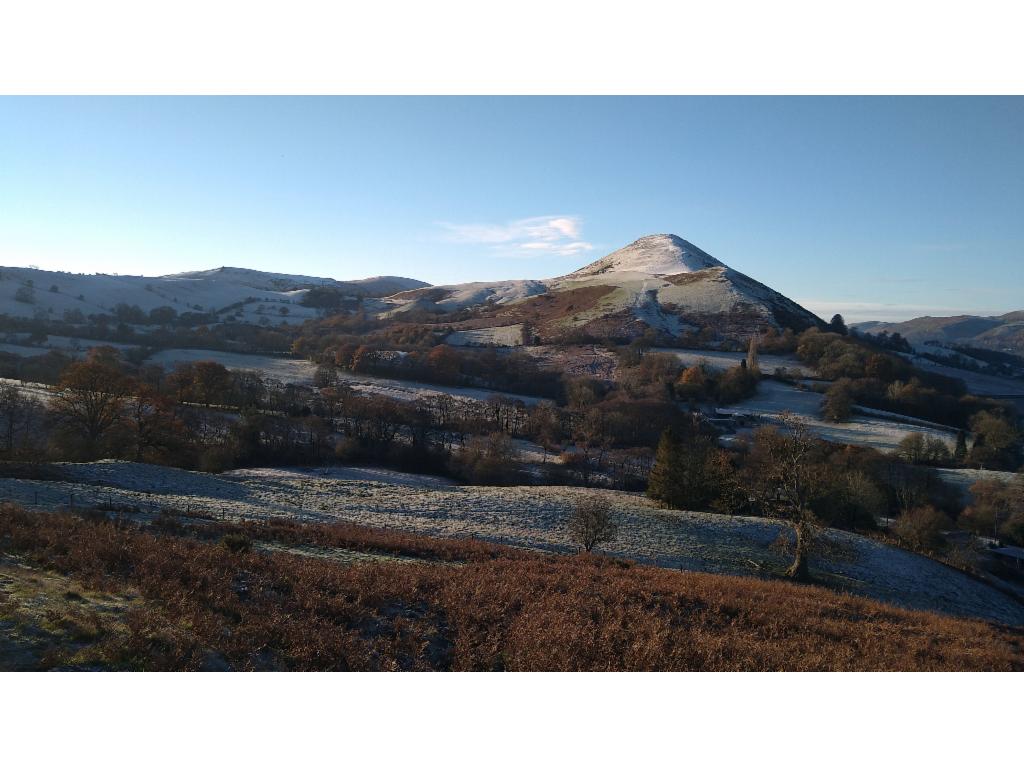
x,y
590,523
90,401
785,479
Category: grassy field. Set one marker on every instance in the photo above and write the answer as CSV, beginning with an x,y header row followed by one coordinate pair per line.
x,y
531,517
870,430
91,594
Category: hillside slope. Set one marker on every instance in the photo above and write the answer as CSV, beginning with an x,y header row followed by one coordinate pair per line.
x,y
533,517
28,292
77,594
659,282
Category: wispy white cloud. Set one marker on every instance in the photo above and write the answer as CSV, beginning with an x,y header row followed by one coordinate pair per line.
x,y
535,236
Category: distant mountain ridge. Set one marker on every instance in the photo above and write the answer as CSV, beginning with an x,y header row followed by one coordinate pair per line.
x,y
1002,333
28,292
382,285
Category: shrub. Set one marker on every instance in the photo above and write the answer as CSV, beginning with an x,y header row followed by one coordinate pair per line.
x,y
236,543
216,459
837,405
922,527
590,523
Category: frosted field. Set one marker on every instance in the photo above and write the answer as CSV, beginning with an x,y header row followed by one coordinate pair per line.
x,y
31,389
67,344
293,371
21,351
589,361
723,360
977,383
285,369
414,390
963,479
499,336
531,517
774,397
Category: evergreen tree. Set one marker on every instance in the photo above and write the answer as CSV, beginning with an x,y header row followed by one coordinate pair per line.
x,y
838,325
753,364
960,452
688,473
663,483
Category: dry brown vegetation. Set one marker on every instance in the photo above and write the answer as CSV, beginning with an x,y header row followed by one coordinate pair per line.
x,y
207,605
547,310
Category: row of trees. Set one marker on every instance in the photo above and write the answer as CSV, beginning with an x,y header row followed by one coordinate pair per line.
x,y
202,415
875,377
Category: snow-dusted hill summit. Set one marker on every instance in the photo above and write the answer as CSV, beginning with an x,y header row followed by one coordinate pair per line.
x,y
660,282
652,255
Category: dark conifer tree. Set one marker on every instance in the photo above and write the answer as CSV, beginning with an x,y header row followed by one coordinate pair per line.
x,y
838,325
663,484
960,452
688,472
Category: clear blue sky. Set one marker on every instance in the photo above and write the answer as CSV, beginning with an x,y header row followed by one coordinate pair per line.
x,y
888,207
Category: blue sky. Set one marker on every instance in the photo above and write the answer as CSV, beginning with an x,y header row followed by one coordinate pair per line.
x,y
874,207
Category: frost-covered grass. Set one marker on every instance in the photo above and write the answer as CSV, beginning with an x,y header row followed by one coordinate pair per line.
x,y
874,431
724,360
285,369
293,371
413,390
23,351
31,389
69,345
500,336
963,478
533,517
977,383
194,603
